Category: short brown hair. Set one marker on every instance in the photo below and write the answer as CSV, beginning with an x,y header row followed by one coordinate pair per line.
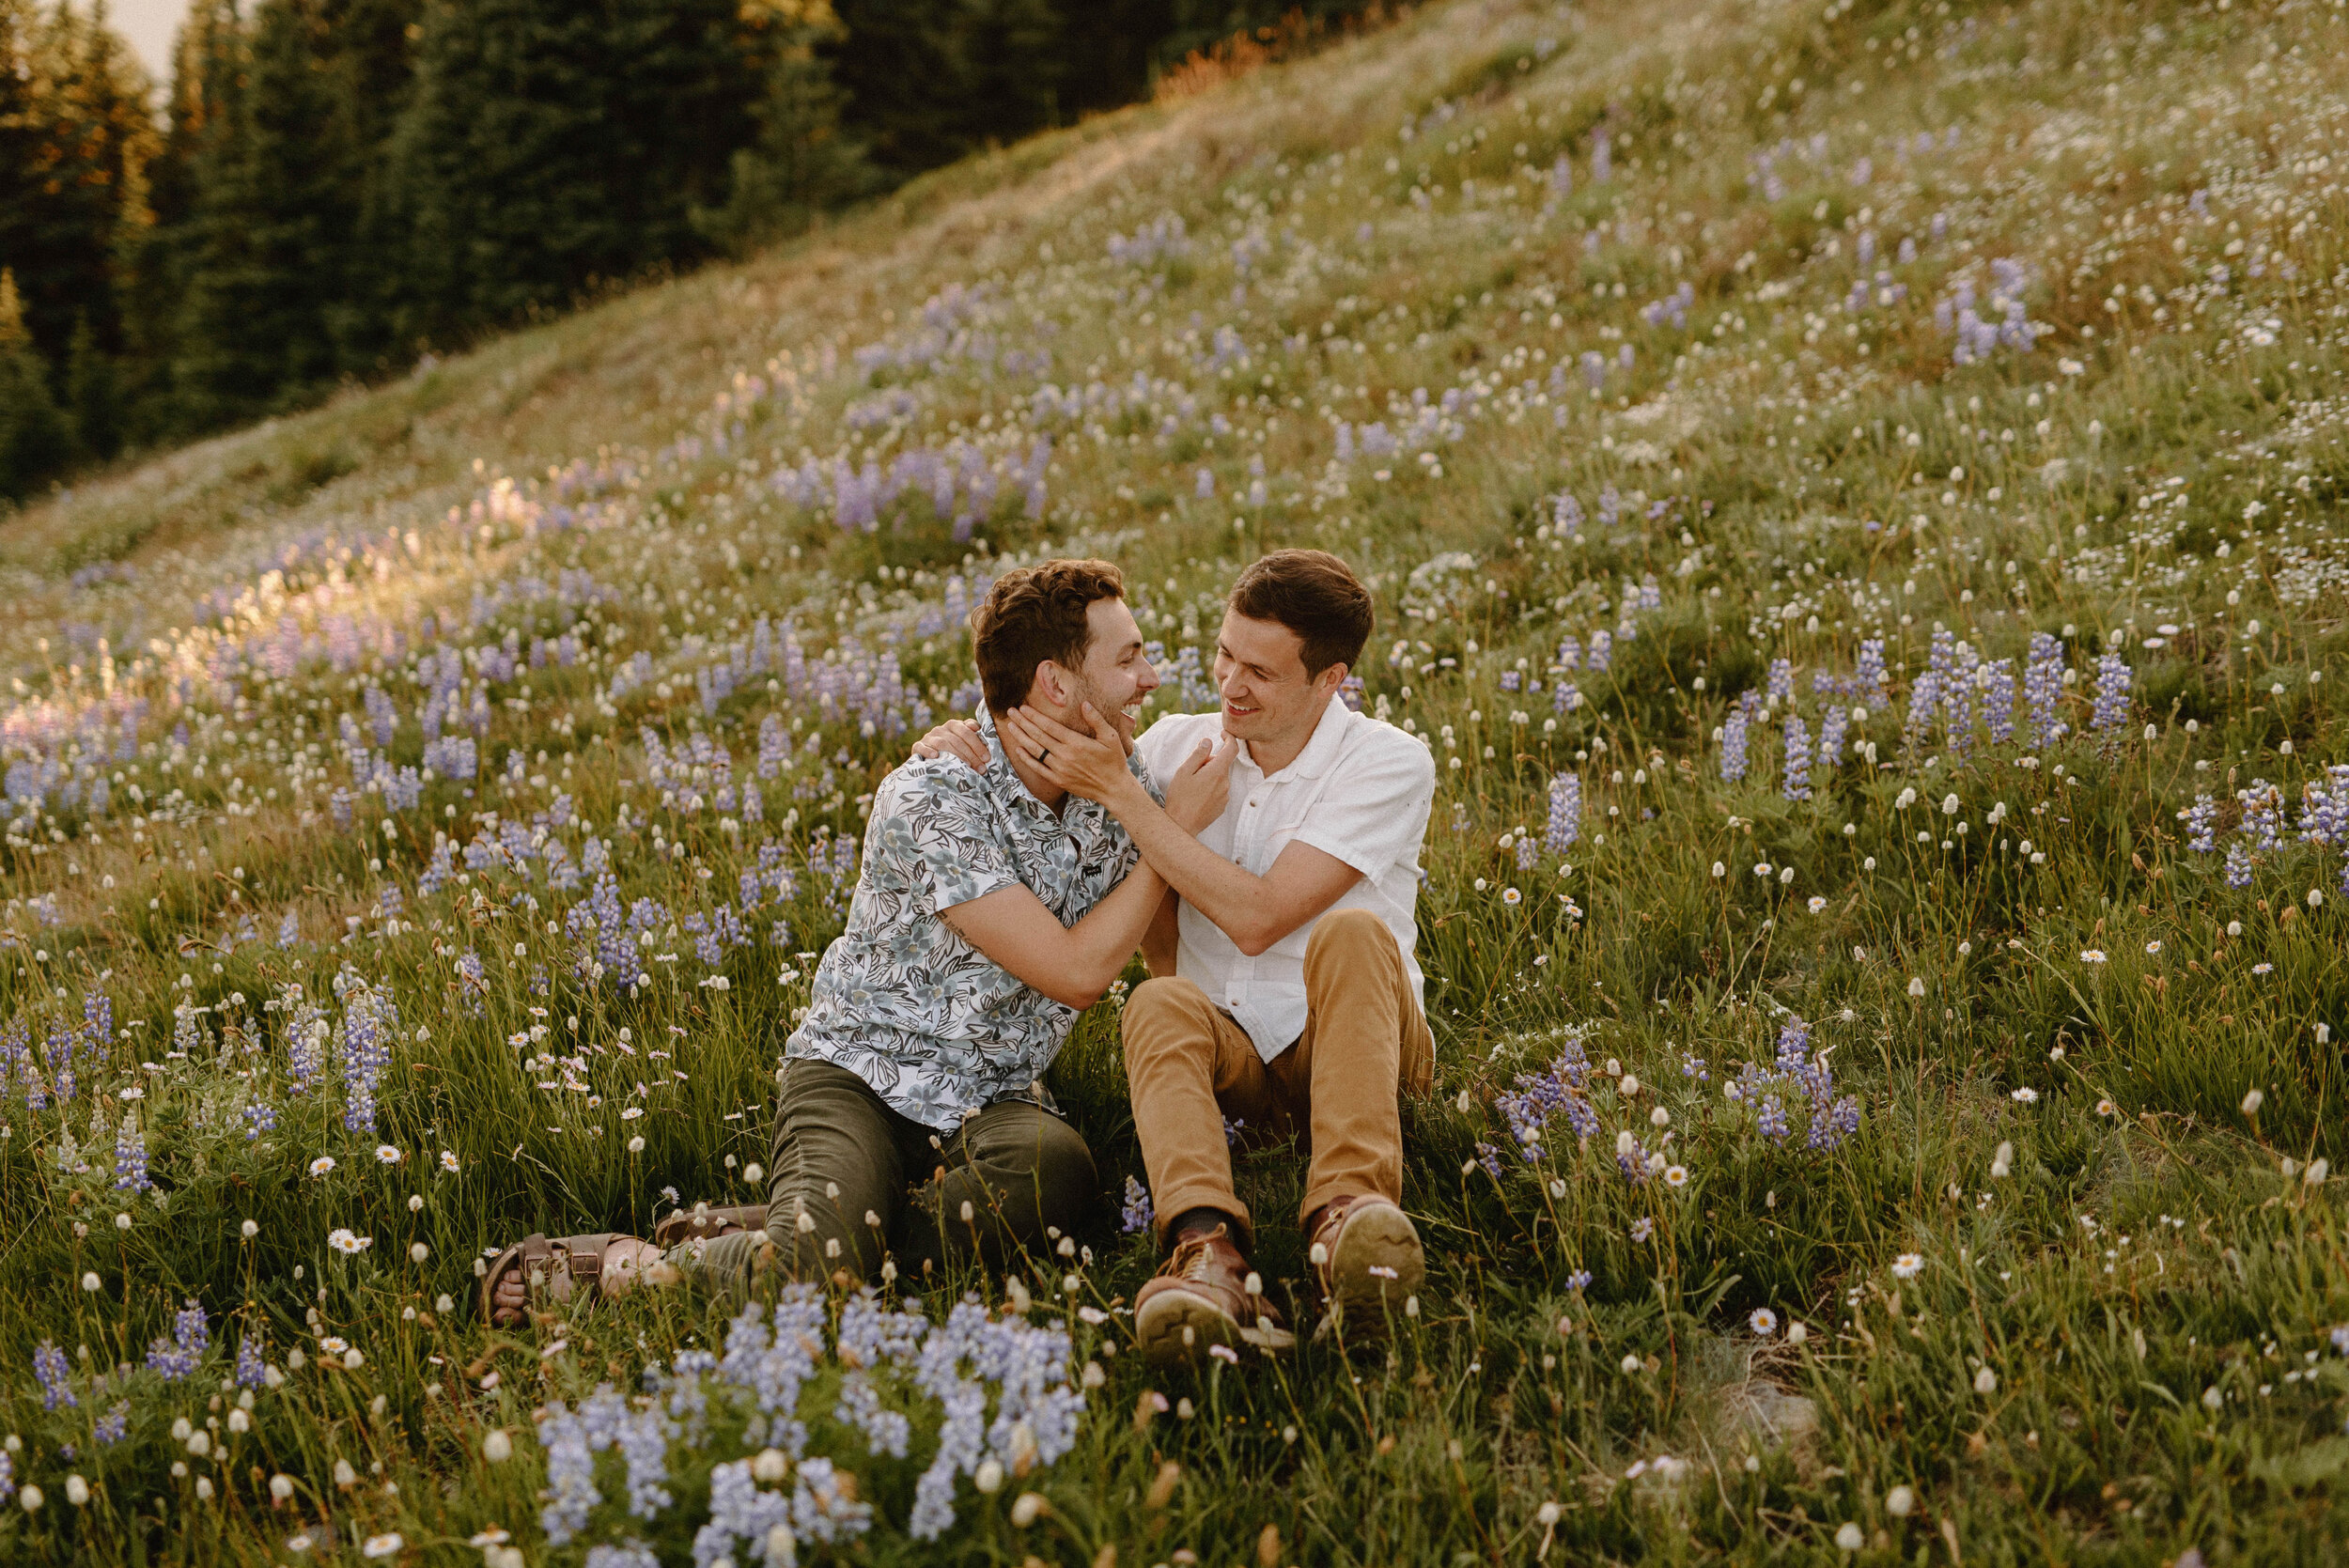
x,y
1033,614
1315,595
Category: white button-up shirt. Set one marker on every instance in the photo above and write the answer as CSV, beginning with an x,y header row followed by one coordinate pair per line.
x,y
1360,790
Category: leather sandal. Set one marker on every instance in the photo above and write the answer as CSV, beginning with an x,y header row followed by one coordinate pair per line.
x,y
702,1223
539,1259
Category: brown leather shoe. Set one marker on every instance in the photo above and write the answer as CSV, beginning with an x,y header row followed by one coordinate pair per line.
x,y
1201,1299
1366,1262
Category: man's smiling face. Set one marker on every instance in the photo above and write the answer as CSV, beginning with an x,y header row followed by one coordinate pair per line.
x,y
1115,678
1260,674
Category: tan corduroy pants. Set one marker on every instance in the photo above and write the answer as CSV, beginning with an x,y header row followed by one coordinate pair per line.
x,y
1188,1066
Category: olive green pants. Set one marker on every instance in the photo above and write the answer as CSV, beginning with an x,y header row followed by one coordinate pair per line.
x,y
854,1182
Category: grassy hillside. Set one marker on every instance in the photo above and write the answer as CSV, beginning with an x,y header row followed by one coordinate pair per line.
x,y
1852,492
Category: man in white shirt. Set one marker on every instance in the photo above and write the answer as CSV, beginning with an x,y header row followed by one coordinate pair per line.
x,y
1285,994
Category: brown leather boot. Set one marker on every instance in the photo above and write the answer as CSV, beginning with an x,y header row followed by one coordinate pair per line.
x,y
1366,1262
1203,1297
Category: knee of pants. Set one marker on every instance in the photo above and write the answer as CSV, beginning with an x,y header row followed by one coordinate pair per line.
x,y
1066,1180
1350,932
1157,1006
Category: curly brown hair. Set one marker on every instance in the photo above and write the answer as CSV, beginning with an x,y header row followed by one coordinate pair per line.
x,y
1033,614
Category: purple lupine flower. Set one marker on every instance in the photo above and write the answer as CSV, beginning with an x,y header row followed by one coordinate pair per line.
x,y
130,1158
1733,744
1957,697
2201,824
1528,854
1924,700
1566,517
54,1371
252,1371
1771,1120
1832,1125
1996,684
1488,1155
114,1425
1793,1043
1798,785
1602,653
1870,679
2238,867
1832,723
1137,1214
1631,1159
1781,685
1565,813
2042,688
2263,815
2112,694
2325,809
177,1358
364,1045
305,1044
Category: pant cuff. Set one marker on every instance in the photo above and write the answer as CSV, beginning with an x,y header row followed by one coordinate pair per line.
x,y
1183,1200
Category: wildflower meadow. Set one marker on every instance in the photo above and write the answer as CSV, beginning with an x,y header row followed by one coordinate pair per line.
x,y
1852,492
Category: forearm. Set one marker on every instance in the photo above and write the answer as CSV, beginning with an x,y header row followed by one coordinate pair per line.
x,y
1241,903
1099,946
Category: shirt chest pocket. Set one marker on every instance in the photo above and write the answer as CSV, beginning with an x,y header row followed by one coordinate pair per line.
x,y
1269,817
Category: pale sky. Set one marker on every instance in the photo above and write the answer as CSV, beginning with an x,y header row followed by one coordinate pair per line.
x,y
151,25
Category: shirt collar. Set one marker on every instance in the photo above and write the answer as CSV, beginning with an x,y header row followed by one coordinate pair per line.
x,y
1322,749
1000,776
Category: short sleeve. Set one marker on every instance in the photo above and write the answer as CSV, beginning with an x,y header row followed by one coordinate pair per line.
x,y
1168,743
940,831
1376,813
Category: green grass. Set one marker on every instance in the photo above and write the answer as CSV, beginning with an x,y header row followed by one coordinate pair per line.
x,y
2068,1291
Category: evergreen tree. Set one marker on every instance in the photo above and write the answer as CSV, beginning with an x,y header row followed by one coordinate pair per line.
x,y
35,442
222,371
85,106
93,395
1107,51
930,81
373,68
802,164
161,269
1199,23
20,132
552,144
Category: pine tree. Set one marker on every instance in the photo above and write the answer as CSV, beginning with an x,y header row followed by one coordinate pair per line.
x,y
87,107
221,370
550,146
20,134
1107,50
161,264
34,441
93,395
803,165
373,66
929,81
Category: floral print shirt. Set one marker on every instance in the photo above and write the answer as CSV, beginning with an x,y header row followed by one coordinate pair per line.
x,y
901,999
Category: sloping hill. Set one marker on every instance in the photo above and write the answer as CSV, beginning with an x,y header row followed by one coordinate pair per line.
x,y
1852,496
